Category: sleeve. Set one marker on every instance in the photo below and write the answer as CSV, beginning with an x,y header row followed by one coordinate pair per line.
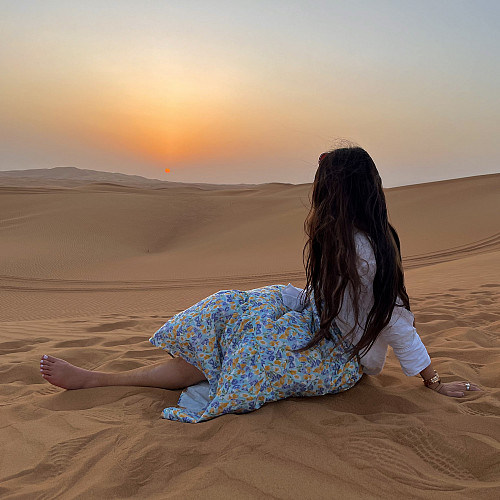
x,y
401,335
293,298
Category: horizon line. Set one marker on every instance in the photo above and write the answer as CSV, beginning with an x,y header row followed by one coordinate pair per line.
x,y
234,183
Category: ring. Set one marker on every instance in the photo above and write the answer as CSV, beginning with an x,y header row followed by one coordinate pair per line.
x,y
467,386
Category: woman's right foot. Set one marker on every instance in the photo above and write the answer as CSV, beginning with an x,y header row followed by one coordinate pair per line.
x,y
63,374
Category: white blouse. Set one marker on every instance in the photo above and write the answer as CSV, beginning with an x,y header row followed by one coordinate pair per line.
x,y
399,333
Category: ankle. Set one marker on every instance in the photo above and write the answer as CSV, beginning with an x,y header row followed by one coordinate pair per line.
x,y
95,379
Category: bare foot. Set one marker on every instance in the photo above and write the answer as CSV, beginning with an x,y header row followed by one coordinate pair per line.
x,y
63,374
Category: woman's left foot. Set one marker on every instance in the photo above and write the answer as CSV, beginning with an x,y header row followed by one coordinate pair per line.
x,y
63,374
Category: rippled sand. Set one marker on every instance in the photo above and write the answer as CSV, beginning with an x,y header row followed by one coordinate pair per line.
x,y
89,271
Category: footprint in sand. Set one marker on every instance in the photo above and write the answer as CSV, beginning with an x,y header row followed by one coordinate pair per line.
x,y
479,409
109,327
382,452
60,456
476,367
432,448
140,467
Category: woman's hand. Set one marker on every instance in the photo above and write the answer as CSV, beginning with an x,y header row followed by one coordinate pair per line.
x,y
454,389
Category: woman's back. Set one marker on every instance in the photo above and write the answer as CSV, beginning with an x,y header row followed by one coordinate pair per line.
x,y
400,333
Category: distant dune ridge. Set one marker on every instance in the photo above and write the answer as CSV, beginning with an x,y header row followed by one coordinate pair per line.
x,y
92,263
73,176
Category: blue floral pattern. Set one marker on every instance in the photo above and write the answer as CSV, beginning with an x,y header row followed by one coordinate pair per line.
x,y
242,341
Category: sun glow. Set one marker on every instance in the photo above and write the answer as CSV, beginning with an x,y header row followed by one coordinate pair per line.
x,y
174,123
185,126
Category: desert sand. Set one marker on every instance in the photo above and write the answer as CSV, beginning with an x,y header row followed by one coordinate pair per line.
x,y
89,271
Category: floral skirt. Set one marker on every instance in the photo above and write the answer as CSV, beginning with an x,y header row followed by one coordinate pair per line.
x,y
243,342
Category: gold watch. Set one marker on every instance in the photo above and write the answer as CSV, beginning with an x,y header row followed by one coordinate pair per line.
x,y
432,380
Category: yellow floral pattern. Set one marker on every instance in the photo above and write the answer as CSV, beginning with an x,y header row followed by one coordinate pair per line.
x,y
242,341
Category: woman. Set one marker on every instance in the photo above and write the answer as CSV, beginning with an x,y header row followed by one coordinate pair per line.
x,y
236,350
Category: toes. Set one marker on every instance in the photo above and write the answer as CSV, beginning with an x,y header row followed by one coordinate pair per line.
x,y
48,359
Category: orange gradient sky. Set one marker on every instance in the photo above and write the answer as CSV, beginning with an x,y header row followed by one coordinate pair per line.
x,y
250,92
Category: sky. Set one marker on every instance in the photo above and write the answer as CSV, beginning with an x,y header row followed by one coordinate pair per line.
x,y
250,91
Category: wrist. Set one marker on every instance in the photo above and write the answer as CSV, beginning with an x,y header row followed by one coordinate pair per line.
x,y
434,386
434,381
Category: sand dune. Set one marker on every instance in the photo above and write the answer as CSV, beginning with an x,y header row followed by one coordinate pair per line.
x,y
71,177
89,271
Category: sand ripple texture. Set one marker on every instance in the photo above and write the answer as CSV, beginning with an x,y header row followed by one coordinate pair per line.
x,y
388,437
405,440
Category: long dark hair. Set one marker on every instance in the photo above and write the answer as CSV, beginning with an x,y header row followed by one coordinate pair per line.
x,y
347,195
